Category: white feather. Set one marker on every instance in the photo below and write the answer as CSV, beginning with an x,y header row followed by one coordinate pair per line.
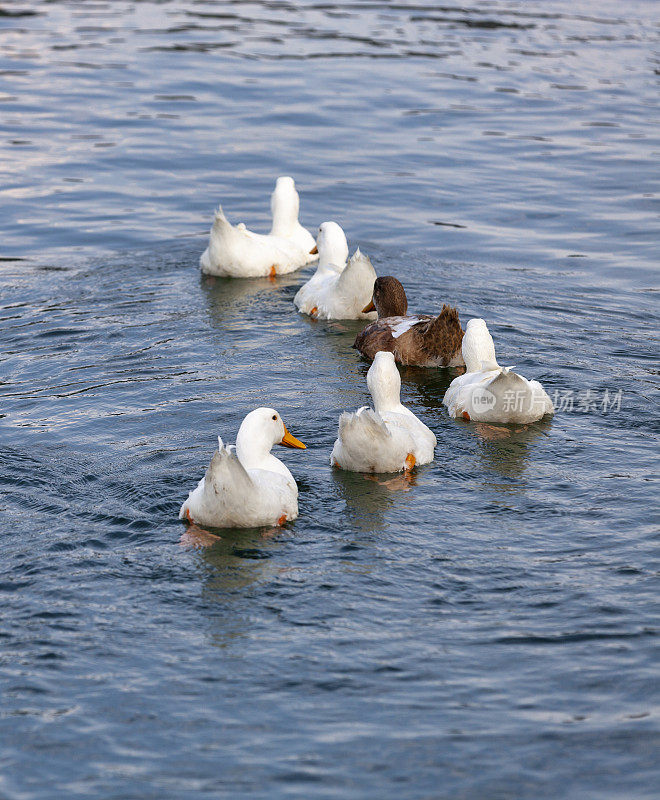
x,y
337,292
490,393
234,251
405,325
380,440
245,486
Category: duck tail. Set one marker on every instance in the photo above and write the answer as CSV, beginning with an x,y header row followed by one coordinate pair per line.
x,y
363,424
446,331
450,315
226,470
358,278
219,221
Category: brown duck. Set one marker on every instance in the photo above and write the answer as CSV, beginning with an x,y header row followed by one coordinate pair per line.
x,y
419,340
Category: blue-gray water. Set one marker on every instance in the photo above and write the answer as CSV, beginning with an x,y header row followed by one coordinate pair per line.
x,y
484,631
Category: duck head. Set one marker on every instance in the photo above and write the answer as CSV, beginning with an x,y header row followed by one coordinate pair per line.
x,y
478,348
389,298
259,431
284,207
384,382
332,247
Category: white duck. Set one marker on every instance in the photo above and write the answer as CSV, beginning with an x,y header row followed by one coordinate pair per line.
x,y
488,392
335,290
332,249
236,252
249,487
389,438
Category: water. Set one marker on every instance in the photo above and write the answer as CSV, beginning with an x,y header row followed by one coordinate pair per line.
x,y
486,630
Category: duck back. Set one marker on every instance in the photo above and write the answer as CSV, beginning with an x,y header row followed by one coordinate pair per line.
x,y
425,342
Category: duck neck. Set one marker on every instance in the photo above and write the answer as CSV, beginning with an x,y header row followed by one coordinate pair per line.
x,y
333,254
284,207
325,268
254,453
479,364
478,349
385,387
284,223
385,403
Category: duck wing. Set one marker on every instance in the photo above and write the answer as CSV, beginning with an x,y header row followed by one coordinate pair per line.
x,y
367,443
497,395
354,288
375,337
313,292
225,475
459,389
518,399
365,423
433,341
384,333
225,487
233,250
419,340
423,438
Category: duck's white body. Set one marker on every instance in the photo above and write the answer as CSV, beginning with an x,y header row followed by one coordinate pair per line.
x,y
388,438
246,486
490,393
337,290
236,252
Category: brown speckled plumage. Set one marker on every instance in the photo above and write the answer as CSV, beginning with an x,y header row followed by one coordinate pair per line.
x,y
427,342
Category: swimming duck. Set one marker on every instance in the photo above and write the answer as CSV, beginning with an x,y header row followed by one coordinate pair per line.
x,y
419,340
236,252
335,290
387,438
246,486
488,392
332,249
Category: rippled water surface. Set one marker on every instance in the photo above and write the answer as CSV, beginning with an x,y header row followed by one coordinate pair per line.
x,y
484,630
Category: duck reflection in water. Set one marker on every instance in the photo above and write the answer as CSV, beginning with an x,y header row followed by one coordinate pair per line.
x,y
228,298
231,565
200,538
235,558
399,483
505,449
369,496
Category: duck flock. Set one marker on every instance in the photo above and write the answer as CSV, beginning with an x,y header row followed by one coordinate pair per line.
x,y
245,485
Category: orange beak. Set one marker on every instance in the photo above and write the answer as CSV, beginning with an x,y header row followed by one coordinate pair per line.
x,y
314,251
291,441
369,307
